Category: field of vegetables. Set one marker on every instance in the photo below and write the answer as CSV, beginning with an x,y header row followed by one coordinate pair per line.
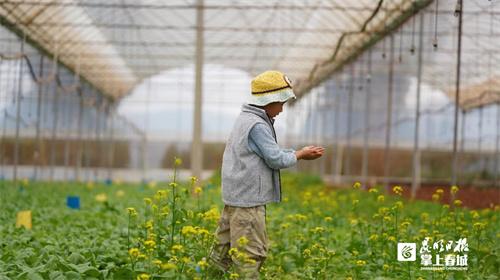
x,y
165,230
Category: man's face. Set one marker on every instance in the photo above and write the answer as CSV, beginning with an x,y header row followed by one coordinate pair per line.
x,y
273,109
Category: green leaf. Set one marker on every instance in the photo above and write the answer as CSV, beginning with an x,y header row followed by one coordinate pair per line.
x,y
34,276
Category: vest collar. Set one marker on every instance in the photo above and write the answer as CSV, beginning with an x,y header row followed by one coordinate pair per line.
x,y
257,111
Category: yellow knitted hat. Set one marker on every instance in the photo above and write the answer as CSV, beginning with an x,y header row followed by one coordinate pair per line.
x,y
269,87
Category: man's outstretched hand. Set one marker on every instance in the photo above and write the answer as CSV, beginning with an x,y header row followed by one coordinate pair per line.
x,y
310,152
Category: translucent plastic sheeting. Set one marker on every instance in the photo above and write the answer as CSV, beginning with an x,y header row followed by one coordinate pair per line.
x,y
115,44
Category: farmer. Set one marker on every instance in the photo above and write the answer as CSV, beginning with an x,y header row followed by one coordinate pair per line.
x,y
251,177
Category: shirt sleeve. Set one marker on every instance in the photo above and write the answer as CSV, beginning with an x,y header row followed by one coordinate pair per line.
x,y
261,141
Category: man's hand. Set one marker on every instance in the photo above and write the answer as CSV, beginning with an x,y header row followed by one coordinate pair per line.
x,y
309,152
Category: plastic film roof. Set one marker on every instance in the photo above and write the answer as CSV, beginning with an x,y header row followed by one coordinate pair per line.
x,y
115,44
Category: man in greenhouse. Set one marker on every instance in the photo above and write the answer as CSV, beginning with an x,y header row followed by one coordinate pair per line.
x,y
251,177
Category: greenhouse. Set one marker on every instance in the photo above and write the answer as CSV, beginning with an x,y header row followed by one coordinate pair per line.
x,y
215,139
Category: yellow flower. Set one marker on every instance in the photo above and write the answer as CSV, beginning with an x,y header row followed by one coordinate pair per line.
x,y
242,241
198,190
157,263
234,276
391,238
454,189
141,257
152,184
285,225
173,184
435,197
439,191
397,190
479,226
203,263
356,185
307,253
150,244
457,202
143,276
164,211
102,197
373,190
475,214
399,204
149,224
177,248
161,194
147,200
317,230
233,251
177,161
168,266
187,230
120,193
387,219
211,215
90,185
385,267
133,252
193,179
373,237
25,182
360,263
354,222
380,198
328,219
132,212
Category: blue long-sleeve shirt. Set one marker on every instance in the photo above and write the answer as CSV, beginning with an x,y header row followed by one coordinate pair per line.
x,y
261,141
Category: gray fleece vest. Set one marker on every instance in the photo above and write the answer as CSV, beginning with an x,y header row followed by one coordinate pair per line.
x,y
247,180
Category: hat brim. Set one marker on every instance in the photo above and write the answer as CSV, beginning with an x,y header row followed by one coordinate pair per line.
x,y
263,99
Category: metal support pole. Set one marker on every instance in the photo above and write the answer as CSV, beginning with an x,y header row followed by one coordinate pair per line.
x,y
97,139
38,120
366,133
497,144
2,150
55,113
388,121
319,133
87,143
78,160
197,144
4,131
333,140
111,142
66,124
457,95
338,149
415,182
462,143
479,141
18,110
349,124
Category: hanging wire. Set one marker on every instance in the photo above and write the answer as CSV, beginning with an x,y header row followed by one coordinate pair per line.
x,y
458,8
412,47
435,40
